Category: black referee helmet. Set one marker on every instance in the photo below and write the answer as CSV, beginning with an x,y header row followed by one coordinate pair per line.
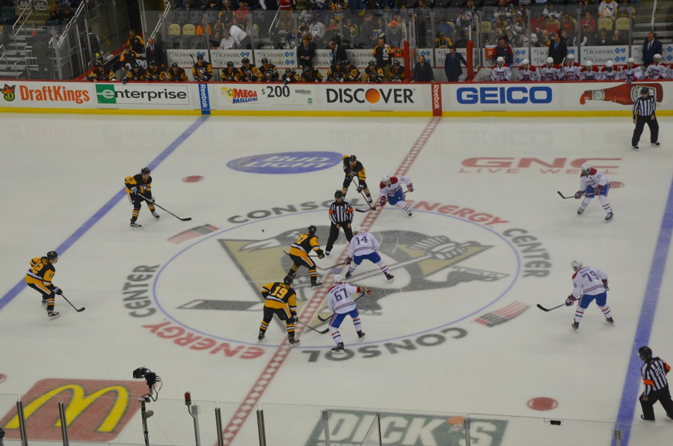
x,y
644,91
645,353
338,194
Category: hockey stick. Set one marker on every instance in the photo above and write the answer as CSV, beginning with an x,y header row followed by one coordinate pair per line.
x,y
363,195
332,315
314,329
316,265
375,207
79,310
550,309
564,197
164,209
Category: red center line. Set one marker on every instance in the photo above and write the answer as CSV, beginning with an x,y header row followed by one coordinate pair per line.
x,y
313,305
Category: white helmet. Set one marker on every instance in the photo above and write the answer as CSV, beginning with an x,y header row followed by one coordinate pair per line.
x,y
338,279
571,57
630,60
657,57
550,60
385,179
576,265
500,59
586,167
589,63
525,62
609,64
357,230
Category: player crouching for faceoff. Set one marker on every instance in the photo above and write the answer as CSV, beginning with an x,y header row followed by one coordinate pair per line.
x,y
391,191
364,246
281,300
589,284
299,254
592,183
139,189
340,301
39,278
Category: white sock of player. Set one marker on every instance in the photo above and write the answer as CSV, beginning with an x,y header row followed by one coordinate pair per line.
x,y
383,267
579,313
335,335
606,205
606,311
403,205
358,324
351,268
585,203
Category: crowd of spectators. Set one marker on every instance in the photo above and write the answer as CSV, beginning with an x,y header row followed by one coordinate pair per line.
x,y
61,12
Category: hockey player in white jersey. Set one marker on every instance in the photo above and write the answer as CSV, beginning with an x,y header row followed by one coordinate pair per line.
x,y
592,183
549,71
589,284
656,70
391,192
632,72
527,72
610,72
589,72
340,301
570,70
364,246
501,72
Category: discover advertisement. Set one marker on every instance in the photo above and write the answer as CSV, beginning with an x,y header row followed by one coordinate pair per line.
x,y
376,97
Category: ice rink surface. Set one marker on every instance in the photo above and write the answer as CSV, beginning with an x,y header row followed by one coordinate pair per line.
x,y
456,334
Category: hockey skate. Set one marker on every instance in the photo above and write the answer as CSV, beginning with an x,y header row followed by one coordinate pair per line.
x,y
576,326
635,148
580,211
314,282
390,277
135,225
327,253
348,274
656,144
260,337
293,342
53,314
339,348
609,217
361,335
409,213
155,215
642,417
610,321
369,199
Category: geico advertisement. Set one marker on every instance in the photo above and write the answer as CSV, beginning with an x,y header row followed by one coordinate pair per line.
x,y
143,94
387,97
499,97
262,96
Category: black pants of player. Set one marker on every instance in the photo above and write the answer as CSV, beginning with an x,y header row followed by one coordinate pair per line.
x,y
347,183
137,201
283,315
640,126
663,396
46,297
334,234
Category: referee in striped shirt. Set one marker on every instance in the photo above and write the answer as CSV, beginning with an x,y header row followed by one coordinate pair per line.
x,y
643,113
654,372
341,216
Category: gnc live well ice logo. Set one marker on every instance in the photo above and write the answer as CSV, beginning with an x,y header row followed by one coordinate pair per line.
x,y
286,162
95,410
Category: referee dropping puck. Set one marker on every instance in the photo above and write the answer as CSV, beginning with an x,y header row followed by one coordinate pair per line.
x,y
654,372
341,216
643,113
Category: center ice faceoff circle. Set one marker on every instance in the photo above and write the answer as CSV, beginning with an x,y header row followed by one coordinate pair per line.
x,y
446,269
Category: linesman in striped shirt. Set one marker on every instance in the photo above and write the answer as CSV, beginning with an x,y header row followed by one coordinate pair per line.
x,y
341,216
654,372
644,113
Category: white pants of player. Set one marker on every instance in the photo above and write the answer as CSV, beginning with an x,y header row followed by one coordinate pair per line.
x,y
604,202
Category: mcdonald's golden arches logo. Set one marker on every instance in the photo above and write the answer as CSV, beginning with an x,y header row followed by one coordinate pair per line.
x,y
95,410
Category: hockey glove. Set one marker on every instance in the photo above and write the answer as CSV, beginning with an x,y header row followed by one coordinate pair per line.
x,y
410,187
134,190
348,260
578,195
321,255
570,300
150,200
359,189
605,285
367,291
294,318
57,290
382,201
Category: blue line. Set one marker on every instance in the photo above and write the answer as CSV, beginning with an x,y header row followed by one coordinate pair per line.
x,y
95,218
632,384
